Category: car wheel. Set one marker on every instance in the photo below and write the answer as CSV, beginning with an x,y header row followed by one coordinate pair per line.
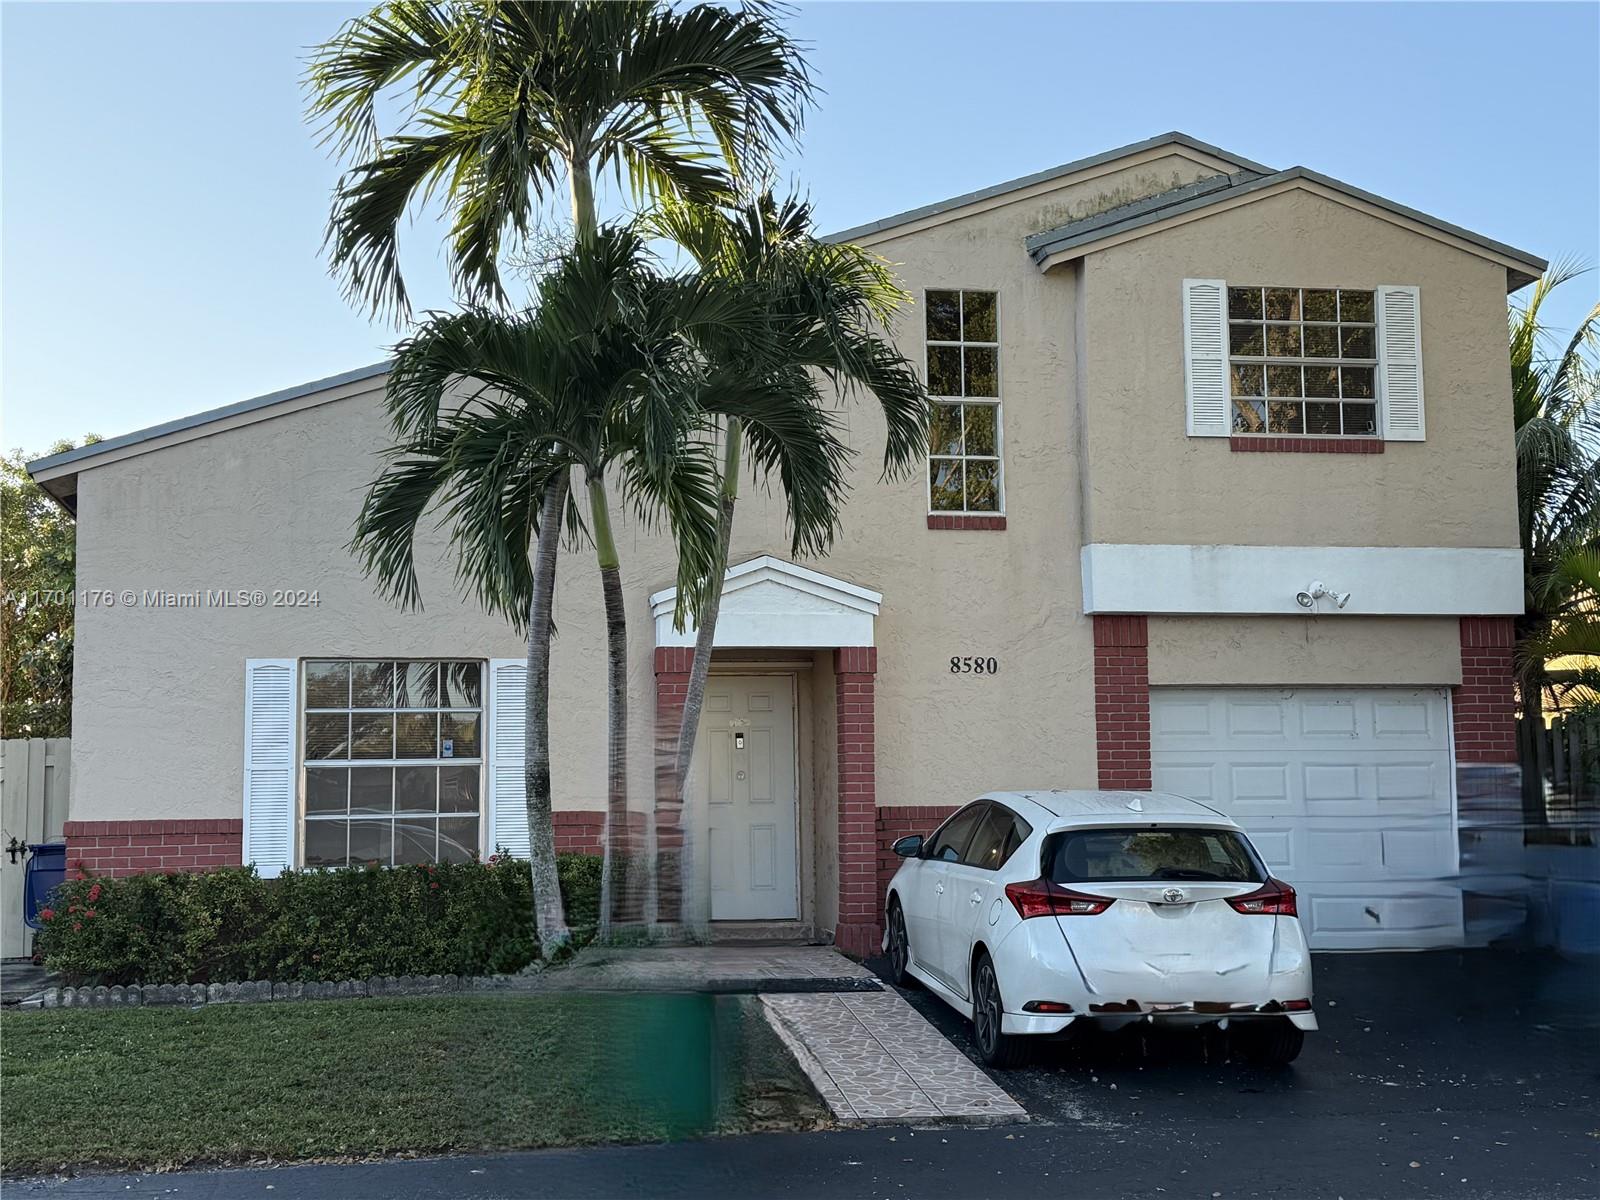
x,y
995,1048
1274,1043
899,948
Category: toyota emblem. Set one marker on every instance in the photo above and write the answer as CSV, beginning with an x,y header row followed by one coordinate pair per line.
x,y
1173,895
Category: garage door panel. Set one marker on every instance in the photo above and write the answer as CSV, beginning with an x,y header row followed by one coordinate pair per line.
x,y
1179,718
1409,719
1259,786
1344,851
1191,779
1330,717
1255,720
1347,794
1409,918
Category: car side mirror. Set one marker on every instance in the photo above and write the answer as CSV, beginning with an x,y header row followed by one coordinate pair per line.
x,y
909,847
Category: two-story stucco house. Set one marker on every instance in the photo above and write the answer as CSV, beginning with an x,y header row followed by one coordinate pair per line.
x,y
1220,500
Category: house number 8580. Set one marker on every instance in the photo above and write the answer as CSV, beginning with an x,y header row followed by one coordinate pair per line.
x,y
966,664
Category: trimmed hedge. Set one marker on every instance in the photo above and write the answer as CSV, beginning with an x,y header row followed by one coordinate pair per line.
x,y
230,925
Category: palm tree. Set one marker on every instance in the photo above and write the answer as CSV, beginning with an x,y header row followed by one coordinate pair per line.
x,y
820,308
1556,406
486,408
503,99
1554,399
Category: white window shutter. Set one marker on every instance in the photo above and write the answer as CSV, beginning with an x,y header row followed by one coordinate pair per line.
x,y
1400,362
1205,356
508,725
269,768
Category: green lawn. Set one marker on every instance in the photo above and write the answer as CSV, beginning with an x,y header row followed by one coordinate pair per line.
x,y
162,1087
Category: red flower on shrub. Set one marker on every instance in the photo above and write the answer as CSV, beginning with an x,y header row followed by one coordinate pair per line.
x,y
433,887
94,893
47,914
72,908
89,912
77,925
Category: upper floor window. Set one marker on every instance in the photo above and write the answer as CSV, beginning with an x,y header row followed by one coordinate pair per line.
x,y
963,340
1302,361
392,758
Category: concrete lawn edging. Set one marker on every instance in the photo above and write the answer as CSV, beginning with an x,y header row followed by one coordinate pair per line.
x,y
146,995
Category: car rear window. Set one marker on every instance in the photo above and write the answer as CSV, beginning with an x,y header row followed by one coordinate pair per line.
x,y
1132,855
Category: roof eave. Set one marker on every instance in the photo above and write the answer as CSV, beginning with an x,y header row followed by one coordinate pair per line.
x,y
954,203
1076,239
57,473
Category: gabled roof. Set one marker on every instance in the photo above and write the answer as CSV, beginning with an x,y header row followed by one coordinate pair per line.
x,y
1237,180
1077,238
1223,160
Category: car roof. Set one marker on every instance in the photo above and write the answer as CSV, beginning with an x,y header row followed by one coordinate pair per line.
x,y
1097,806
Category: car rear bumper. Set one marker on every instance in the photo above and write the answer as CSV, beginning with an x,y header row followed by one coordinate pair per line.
x,y
1158,1014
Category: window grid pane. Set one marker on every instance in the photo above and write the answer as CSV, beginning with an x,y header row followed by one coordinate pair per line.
x,y
1302,361
965,473
391,766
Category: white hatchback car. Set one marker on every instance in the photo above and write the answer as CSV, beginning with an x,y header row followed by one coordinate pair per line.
x,y
1029,911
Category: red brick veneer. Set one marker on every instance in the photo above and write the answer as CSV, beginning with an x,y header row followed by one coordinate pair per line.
x,y
859,930
1485,704
132,847
1294,445
958,521
1122,700
580,831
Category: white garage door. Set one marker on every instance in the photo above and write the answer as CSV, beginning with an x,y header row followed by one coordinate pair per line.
x,y
1347,794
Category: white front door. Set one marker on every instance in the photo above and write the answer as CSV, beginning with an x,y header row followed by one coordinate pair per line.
x,y
747,752
1345,791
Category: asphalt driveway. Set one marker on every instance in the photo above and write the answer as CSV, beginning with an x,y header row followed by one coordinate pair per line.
x,y
1468,1075
1474,1031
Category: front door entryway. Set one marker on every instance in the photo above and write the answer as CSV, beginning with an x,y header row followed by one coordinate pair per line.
x,y
748,773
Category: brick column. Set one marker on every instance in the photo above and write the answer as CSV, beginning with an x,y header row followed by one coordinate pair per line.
x,y
859,930
672,686
1485,703
1122,700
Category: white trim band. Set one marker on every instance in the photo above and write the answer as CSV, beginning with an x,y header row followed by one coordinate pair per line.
x,y
769,602
1250,580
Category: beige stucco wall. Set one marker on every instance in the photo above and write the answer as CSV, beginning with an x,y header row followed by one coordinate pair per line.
x,y
1149,483
1331,650
158,718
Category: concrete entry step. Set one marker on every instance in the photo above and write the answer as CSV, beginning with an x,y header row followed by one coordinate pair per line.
x,y
874,1059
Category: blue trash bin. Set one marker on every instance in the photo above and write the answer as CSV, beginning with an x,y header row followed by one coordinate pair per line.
x,y
47,867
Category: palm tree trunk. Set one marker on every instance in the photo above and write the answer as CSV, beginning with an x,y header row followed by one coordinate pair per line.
x,y
549,916
614,867
706,626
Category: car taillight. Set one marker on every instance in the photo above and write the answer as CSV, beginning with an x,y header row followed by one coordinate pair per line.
x,y
1274,897
1044,898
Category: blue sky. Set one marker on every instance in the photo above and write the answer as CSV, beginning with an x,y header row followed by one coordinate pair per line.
x,y
163,203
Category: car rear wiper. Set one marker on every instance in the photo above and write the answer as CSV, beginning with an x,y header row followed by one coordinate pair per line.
x,y
1185,873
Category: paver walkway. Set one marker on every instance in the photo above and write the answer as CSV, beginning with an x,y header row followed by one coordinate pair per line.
x,y
874,1059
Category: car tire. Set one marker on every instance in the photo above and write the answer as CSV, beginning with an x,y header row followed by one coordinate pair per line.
x,y
899,948
996,1049
1273,1043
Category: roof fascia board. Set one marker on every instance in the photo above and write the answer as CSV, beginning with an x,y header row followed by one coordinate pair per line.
x,y
1029,186
1522,268
204,424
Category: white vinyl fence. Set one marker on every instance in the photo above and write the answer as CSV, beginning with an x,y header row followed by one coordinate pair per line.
x,y
34,774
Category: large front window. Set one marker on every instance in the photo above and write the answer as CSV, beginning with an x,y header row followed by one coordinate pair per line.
x,y
393,761
964,474
1302,361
